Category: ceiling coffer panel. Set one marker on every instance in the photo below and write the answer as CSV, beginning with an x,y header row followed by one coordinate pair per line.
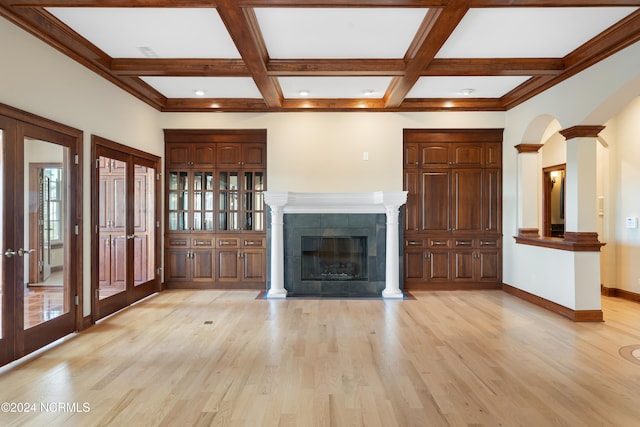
x,y
378,55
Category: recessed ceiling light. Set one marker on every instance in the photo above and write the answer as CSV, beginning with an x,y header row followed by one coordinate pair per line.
x,y
368,92
467,92
147,51
303,92
199,92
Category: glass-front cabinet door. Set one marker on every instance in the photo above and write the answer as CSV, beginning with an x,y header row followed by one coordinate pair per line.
x,y
203,197
253,203
229,208
241,203
178,201
191,197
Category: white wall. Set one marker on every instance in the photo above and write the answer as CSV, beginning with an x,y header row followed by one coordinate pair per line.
x,y
592,97
323,151
38,79
626,177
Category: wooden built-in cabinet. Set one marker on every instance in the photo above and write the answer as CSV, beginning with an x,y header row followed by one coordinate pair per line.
x,y
215,230
452,219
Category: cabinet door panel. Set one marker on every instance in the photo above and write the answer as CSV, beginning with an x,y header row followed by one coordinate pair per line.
x,y
493,155
435,203
202,266
177,155
229,155
466,154
434,154
254,265
491,200
439,266
411,156
176,265
414,265
464,265
467,200
489,265
228,265
204,156
253,155
412,207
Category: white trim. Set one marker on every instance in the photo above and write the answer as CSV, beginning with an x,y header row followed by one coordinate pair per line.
x,y
387,202
371,202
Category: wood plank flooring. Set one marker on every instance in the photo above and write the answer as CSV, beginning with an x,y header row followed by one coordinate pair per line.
x,y
225,358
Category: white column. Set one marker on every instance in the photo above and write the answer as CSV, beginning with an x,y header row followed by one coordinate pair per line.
x,y
392,271
581,195
581,215
276,202
528,189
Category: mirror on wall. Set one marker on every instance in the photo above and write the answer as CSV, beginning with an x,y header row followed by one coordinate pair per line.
x,y
554,201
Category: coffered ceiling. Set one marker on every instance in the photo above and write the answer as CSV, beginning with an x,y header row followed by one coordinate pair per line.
x,y
332,55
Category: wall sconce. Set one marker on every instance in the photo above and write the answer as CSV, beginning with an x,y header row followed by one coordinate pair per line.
x,y
554,177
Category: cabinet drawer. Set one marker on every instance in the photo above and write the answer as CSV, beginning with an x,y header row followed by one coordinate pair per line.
x,y
414,243
435,242
463,243
489,242
202,242
253,242
228,242
178,242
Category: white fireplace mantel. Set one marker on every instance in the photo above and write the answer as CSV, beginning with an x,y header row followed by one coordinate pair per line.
x,y
387,202
371,202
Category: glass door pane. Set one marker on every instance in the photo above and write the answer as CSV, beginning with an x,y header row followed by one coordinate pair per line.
x,y
229,206
45,243
2,258
178,196
254,201
112,200
144,224
203,193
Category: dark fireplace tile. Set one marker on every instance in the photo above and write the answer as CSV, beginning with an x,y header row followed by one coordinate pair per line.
x,y
335,221
372,226
303,220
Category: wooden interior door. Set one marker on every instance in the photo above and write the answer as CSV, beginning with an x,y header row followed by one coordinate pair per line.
x,y
7,267
36,310
112,167
46,308
125,211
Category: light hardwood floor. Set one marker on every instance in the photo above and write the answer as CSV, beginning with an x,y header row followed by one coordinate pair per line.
x,y
482,358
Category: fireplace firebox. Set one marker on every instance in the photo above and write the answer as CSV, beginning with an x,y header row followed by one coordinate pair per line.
x,y
334,258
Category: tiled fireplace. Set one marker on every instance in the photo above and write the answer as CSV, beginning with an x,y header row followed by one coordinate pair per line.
x,y
334,244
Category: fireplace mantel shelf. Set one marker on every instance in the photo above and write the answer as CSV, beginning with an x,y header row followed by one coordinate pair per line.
x,y
387,202
369,202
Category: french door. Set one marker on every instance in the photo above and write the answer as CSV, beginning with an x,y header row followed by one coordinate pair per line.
x,y
125,215
39,201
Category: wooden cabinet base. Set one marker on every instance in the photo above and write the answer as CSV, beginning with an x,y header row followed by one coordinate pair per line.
x,y
453,286
216,285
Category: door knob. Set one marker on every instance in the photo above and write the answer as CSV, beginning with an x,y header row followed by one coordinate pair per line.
x,y
22,252
131,236
9,253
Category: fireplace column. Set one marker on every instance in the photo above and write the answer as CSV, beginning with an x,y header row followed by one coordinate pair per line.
x,y
276,202
392,271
